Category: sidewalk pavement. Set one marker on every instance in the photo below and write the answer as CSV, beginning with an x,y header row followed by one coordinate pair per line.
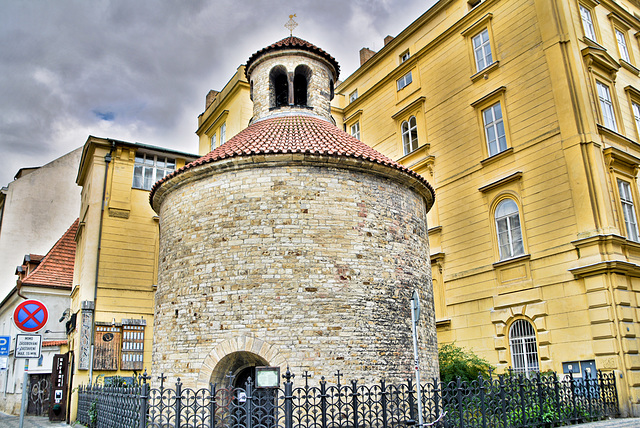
x,y
9,421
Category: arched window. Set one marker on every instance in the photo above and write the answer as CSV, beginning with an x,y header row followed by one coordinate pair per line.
x,y
508,229
410,135
524,349
301,79
279,87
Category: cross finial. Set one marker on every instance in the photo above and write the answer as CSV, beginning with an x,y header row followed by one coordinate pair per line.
x,y
291,24
339,375
306,377
230,377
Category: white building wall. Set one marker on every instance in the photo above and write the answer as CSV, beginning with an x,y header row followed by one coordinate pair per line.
x,y
39,208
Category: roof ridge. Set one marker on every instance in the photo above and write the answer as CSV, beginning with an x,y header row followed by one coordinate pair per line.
x,y
38,275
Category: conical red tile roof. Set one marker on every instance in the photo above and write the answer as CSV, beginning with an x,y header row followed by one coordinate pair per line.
x,y
292,42
294,134
56,268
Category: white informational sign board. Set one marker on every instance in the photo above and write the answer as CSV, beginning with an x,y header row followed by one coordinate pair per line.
x,y
4,362
28,345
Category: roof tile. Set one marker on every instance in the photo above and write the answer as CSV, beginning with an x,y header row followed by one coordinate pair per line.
x,y
294,134
293,42
56,268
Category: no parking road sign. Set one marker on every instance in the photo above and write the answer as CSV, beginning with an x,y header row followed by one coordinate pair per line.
x,y
30,316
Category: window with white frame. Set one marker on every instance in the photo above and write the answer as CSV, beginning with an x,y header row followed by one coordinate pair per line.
x,y
622,46
606,106
410,135
636,114
494,129
587,23
628,210
355,130
404,80
223,133
150,168
524,347
404,56
482,50
508,229
213,141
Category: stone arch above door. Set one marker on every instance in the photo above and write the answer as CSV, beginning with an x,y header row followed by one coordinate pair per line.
x,y
252,345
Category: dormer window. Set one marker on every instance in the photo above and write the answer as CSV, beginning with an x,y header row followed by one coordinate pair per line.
x,y
300,84
279,87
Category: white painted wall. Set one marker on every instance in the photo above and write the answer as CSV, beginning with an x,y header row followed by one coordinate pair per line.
x,y
39,208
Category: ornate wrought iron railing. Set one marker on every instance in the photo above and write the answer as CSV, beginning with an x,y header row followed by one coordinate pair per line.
x,y
505,401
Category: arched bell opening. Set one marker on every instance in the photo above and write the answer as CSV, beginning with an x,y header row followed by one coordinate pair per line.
x,y
235,369
278,87
301,79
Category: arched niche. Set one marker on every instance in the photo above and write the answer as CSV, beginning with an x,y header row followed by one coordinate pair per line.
x,y
278,87
301,80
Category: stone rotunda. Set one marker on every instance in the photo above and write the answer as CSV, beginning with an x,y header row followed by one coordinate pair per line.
x,y
293,244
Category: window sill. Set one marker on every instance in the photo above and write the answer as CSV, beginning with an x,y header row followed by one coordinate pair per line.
x,y
629,67
485,71
497,156
511,260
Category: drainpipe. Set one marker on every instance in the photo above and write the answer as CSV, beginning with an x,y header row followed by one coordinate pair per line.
x,y
107,161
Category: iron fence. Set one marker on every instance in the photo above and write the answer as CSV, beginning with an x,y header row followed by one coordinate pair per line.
x,y
505,401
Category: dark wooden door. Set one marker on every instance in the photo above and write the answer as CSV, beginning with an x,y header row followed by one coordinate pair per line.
x,y
39,391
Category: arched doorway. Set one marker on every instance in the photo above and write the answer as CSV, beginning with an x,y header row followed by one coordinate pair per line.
x,y
231,375
236,368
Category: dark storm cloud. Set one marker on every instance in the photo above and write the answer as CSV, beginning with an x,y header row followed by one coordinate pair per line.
x,y
139,70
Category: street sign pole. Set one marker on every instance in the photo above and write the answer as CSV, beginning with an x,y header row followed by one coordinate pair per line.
x,y
25,380
415,317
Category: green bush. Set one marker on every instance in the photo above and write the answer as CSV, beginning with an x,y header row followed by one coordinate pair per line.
x,y
458,362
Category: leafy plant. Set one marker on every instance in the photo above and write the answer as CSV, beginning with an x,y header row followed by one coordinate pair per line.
x,y
93,413
458,362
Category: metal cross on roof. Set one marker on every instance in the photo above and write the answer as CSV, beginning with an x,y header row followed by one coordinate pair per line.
x,y
291,24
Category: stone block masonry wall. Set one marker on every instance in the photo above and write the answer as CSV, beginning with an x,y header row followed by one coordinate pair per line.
x,y
306,266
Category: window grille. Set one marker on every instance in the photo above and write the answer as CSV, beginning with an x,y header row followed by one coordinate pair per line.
x,y
606,105
355,130
410,135
524,348
628,210
404,80
132,347
587,23
636,115
494,129
622,46
508,229
150,168
482,50
223,133
213,141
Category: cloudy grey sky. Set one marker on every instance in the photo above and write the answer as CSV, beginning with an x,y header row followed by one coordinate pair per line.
x,y
139,70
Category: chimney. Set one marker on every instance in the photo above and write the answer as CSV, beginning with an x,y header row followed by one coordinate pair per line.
x,y
211,96
388,39
365,54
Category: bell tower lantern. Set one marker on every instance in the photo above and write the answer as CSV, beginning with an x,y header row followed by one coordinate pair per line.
x,y
291,77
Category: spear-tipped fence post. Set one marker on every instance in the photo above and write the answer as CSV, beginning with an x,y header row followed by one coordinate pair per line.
x,y
212,405
323,401
354,402
144,396
383,402
288,398
178,408
248,403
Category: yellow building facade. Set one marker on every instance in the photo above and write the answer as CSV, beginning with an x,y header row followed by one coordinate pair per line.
x,y
525,116
116,263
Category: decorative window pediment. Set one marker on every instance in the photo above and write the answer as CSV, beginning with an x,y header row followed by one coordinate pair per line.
x,y
599,58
